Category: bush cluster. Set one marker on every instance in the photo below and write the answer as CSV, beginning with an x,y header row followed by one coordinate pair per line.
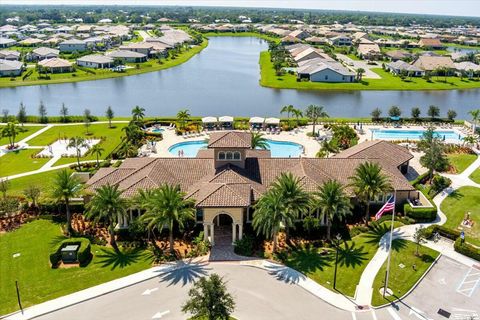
x,y
420,214
245,246
467,249
84,253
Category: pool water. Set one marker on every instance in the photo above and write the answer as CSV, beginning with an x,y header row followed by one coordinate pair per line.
x,y
157,130
278,149
393,134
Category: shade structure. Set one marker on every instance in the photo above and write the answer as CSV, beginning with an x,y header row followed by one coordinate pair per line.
x,y
209,120
225,119
272,121
395,118
257,120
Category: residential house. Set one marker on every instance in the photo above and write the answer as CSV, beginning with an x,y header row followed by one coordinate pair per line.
x,y
56,65
31,42
7,42
434,63
226,179
467,67
73,45
431,43
96,61
43,53
127,56
299,34
310,53
316,40
369,51
340,41
9,55
323,70
400,67
10,68
140,47
395,55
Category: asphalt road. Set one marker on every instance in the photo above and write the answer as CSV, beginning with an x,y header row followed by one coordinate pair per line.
x,y
262,295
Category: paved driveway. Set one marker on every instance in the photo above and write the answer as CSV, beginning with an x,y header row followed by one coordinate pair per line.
x,y
353,65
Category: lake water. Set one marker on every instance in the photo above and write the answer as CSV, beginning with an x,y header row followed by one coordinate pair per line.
x,y
221,80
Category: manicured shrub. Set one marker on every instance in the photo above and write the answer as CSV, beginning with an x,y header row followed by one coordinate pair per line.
x,y
438,184
443,231
467,249
355,231
245,246
84,254
420,214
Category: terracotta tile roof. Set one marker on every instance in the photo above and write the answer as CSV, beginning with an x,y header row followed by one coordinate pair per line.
x,y
230,139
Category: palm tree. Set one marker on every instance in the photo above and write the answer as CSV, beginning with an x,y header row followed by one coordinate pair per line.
x,y
183,116
475,117
270,215
258,141
109,114
332,202
295,200
97,150
297,113
65,187
138,113
164,207
77,143
288,110
368,182
360,72
314,113
10,131
109,206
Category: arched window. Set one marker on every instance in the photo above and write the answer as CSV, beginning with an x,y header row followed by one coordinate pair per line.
x,y
229,155
221,155
236,155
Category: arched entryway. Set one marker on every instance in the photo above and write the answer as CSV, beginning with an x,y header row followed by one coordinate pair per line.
x,y
223,229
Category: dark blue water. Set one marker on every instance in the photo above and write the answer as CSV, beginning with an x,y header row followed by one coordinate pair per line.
x,y
221,80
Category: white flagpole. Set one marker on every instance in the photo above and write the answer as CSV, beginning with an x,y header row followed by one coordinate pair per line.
x,y
387,273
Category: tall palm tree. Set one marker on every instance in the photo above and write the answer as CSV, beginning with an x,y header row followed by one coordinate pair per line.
x,y
297,113
10,131
138,113
270,215
360,72
332,202
183,116
368,182
109,206
77,143
164,207
288,110
314,112
475,117
295,199
97,150
65,187
259,141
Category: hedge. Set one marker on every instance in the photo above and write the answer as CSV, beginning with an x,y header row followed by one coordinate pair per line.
x,y
84,253
443,231
467,249
420,214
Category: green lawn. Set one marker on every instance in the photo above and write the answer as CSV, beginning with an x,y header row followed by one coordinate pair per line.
x,y
457,205
475,176
38,282
20,161
25,132
461,161
402,278
42,180
354,257
388,81
112,137
81,75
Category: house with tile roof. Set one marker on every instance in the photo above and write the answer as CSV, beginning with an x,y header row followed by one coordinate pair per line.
x,y
228,177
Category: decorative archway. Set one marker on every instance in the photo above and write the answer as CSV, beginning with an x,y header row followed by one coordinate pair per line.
x,y
217,228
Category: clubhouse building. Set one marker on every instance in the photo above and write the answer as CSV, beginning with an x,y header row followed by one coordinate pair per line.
x,y
229,176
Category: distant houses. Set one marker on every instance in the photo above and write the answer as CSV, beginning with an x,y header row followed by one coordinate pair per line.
x,y
434,63
6,42
43,53
73,45
96,61
400,68
321,70
127,56
10,68
56,65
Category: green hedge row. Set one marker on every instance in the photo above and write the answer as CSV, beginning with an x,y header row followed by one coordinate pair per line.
x,y
420,214
443,231
467,249
84,253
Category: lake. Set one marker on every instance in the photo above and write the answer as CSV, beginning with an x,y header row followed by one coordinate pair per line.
x,y
221,80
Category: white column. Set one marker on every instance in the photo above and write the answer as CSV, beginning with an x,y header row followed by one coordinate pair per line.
x,y
131,214
234,232
212,234
119,221
240,231
205,232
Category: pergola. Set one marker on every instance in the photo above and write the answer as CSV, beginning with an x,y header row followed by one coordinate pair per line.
x,y
226,121
256,122
209,122
272,122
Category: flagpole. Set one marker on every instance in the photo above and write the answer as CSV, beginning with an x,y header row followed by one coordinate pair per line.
x,y
387,273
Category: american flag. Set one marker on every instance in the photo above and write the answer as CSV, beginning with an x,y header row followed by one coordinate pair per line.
x,y
388,206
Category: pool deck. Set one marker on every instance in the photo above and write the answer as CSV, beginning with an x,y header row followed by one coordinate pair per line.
x,y
310,145
368,134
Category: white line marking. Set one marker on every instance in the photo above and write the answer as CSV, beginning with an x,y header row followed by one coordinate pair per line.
x,y
468,291
149,291
374,316
354,316
393,313
159,315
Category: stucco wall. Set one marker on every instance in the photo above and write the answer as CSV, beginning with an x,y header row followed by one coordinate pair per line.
x,y
235,213
332,76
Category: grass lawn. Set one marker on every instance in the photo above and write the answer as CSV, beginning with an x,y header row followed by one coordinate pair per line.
x,y
20,161
42,180
456,206
403,278
112,137
26,131
81,75
38,282
475,176
388,81
461,161
353,258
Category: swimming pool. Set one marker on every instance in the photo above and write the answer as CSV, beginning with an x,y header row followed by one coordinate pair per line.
x,y
398,134
278,149
157,130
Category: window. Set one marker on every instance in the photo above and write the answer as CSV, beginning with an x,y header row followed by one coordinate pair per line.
x,y
229,155
236,155
199,216
326,77
221,155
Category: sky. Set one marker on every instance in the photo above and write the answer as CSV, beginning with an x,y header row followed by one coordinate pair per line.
x,y
442,7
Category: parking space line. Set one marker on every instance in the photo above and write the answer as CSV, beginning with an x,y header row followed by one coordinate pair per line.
x,y
374,316
354,316
469,283
393,313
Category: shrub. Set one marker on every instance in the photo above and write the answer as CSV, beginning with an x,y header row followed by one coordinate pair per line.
x,y
9,205
200,246
355,231
443,231
245,246
467,249
420,214
438,184
84,254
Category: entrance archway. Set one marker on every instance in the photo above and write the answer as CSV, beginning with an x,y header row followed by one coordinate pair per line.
x,y
223,229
